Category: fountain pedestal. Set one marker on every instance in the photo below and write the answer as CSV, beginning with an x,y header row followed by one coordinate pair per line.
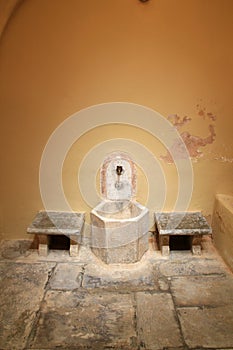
x,y
119,225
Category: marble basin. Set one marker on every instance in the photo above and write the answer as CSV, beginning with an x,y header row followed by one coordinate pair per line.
x,y
119,231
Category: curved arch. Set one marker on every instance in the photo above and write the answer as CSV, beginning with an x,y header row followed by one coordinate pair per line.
x,y
7,8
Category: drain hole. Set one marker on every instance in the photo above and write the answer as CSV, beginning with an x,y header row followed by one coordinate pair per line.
x,y
180,242
59,242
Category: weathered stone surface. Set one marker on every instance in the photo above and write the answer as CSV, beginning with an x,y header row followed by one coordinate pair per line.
x,y
223,227
121,277
157,325
21,290
165,250
127,253
207,327
192,224
14,249
178,223
202,290
55,222
74,247
81,320
48,223
117,231
196,249
163,284
90,305
196,266
43,250
67,276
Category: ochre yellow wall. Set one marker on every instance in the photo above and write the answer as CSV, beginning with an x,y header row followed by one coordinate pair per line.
x,y
58,57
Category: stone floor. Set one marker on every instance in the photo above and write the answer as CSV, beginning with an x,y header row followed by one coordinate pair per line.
x,y
58,302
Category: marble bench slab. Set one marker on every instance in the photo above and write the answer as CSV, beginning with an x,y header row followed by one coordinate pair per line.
x,y
192,224
47,223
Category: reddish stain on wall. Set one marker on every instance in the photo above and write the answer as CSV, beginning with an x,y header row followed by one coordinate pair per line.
x,y
193,143
177,121
205,115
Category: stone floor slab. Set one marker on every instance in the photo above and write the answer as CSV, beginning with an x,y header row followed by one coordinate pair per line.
x,y
184,266
66,276
137,276
156,322
15,249
207,327
85,304
203,290
79,320
21,290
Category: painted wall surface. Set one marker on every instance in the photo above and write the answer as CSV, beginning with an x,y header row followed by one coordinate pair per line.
x,y
58,57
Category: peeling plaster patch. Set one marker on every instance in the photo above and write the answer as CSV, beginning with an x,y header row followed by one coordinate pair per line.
x,y
211,116
176,149
224,159
202,113
192,142
177,121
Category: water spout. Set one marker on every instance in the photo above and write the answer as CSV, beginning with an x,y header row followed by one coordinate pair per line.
x,y
119,171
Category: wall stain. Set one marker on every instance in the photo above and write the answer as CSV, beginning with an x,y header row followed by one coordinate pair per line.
x,y
205,115
224,159
177,121
192,142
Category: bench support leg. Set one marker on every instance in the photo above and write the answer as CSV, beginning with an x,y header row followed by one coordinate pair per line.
x,y
74,246
196,244
43,245
164,244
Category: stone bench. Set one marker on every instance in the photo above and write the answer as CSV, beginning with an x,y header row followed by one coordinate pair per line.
x,y
49,223
192,224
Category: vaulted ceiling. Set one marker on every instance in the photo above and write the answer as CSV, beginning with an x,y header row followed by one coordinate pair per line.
x,y
7,7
